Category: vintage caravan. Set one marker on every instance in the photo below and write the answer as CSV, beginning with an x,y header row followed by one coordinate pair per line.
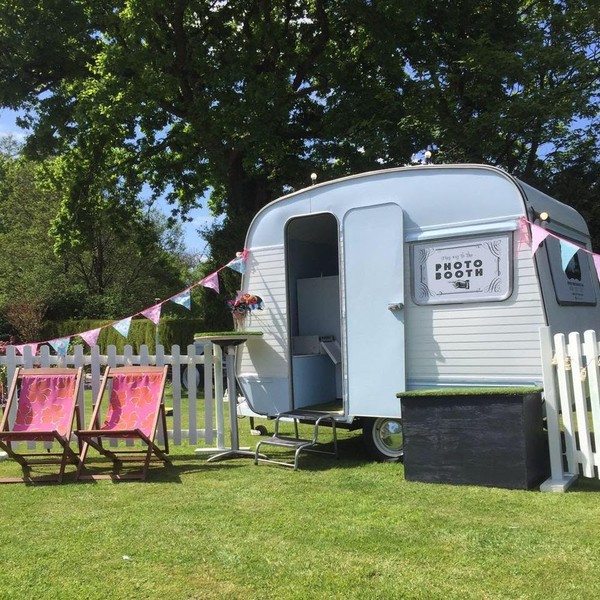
x,y
409,278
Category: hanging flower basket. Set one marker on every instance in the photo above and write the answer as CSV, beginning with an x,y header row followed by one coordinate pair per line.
x,y
240,307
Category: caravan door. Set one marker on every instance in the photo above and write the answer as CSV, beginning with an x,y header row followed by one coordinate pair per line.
x,y
373,255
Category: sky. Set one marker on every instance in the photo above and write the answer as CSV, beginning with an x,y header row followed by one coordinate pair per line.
x,y
200,217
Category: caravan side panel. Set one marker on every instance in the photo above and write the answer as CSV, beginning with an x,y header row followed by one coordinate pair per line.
x,y
262,364
480,343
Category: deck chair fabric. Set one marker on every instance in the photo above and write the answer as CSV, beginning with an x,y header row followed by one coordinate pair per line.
x,y
47,406
135,408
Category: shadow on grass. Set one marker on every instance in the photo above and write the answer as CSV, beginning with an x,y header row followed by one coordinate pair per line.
x,y
585,484
351,454
182,464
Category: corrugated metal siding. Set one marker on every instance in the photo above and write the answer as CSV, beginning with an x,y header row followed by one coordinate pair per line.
x,y
265,277
480,341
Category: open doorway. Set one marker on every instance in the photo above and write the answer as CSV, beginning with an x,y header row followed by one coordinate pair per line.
x,y
313,289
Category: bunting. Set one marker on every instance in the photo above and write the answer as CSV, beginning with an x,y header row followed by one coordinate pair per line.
x,y
596,258
567,252
60,345
153,313
21,348
123,326
183,299
239,263
567,248
538,235
90,337
212,282
529,234
524,237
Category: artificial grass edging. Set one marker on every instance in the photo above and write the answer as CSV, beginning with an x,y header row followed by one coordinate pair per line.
x,y
475,391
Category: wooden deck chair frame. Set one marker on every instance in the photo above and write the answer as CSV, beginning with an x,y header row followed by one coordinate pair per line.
x,y
25,458
94,435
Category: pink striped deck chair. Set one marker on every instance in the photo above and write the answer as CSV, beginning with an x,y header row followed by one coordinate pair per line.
x,y
47,404
135,406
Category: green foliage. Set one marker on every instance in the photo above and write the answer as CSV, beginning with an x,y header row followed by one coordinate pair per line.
x,y
28,267
142,331
120,267
246,99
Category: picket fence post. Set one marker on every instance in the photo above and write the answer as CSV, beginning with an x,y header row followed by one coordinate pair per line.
x,y
571,373
592,354
551,397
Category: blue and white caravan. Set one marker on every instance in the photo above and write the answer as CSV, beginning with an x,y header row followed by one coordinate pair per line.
x,y
408,278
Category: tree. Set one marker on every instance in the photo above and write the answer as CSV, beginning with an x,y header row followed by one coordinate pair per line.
x,y
505,81
30,274
247,98
119,270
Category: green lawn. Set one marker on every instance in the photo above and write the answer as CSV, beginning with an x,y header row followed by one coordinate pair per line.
x,y
334,529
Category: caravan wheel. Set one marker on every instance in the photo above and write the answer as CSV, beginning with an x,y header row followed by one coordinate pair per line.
x,y
383,439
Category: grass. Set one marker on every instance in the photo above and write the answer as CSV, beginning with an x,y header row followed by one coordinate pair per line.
x,y
334,529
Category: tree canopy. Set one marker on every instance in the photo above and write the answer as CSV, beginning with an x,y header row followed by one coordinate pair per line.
x,y
242,100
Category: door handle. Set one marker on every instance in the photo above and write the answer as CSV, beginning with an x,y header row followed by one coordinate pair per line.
x,y
396,306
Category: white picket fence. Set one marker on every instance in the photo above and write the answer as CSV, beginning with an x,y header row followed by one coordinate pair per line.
x,y
186,365
571,370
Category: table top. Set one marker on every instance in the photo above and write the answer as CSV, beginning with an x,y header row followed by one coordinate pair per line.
x,y
227,338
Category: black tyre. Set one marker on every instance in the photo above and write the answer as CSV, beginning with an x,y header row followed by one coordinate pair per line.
x,y
261,429
383,439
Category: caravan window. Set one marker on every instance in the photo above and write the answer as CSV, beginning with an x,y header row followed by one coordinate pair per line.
x,y
473,269
572,285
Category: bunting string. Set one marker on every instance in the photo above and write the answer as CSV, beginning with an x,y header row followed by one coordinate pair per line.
x,y
153,313
567,248
530,234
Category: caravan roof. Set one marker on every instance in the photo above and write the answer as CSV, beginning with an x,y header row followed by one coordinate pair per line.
x,y
454,198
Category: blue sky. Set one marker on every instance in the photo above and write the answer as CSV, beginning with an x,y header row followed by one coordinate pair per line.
x,y
201,217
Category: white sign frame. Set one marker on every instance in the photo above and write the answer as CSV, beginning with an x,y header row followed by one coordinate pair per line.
x,y
460,270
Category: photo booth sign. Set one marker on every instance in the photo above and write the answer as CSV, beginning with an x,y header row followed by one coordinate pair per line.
x,y
466,270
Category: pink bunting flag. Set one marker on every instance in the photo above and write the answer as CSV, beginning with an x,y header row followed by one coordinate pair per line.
x,y
538,235
596,258
212,282
90,337
21,348
524,237
153,313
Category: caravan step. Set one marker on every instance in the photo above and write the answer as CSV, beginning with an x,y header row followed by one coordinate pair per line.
x,y
287,442
297,443
306,416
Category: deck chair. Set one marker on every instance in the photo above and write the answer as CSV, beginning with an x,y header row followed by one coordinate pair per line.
x,y
47,404
133,413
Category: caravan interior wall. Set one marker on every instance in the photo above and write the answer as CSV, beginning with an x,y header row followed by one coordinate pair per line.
x,y
478,330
